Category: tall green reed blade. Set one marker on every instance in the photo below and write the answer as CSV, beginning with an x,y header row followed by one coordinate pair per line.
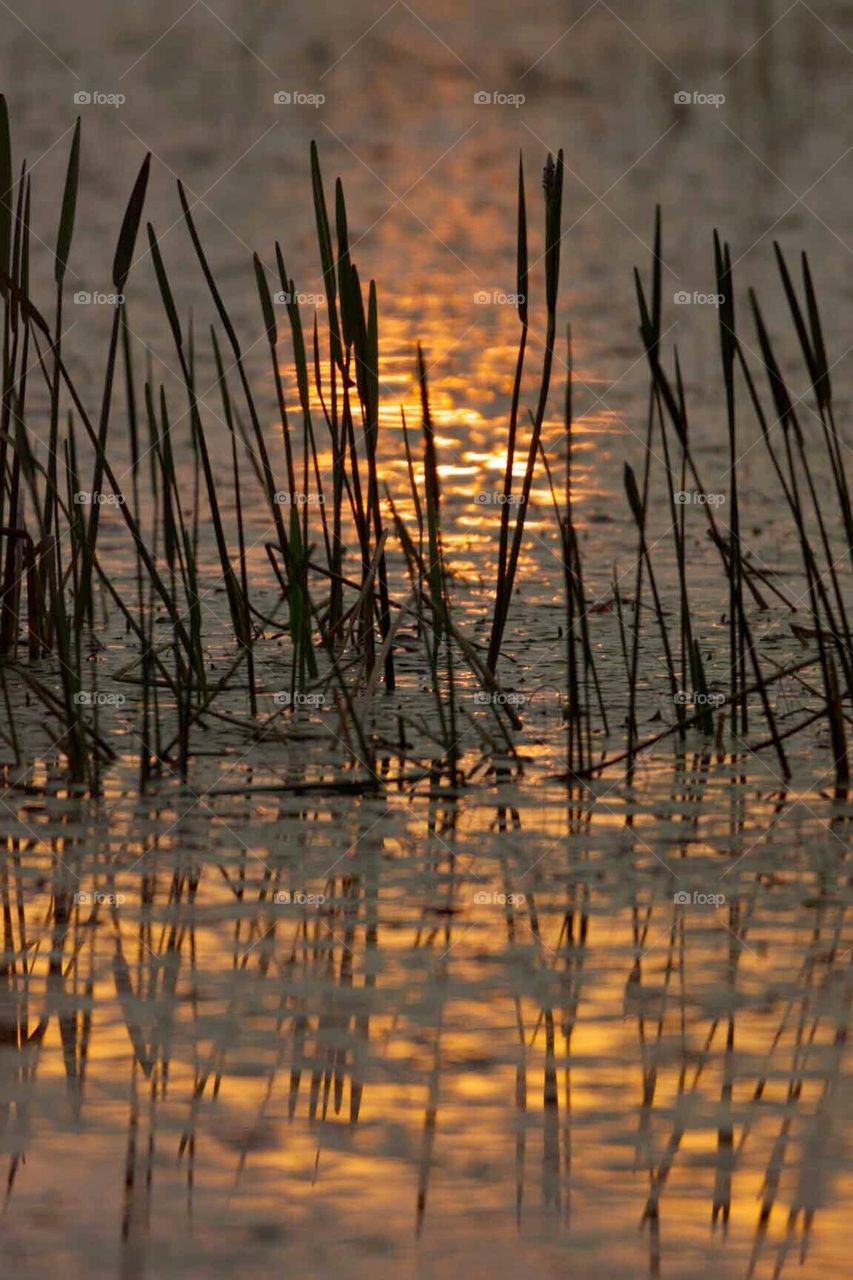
x,y
64,236
676,412
339,484
354,359
76,525
367,356
74,739
238,605
810,337
324,239
355,488
336,371
577,606
178,543
678,534
300,362
680,529
6,188
130,227
574,753
638,511
441,629
822,385
150,566
432,493
416,497
238,503
726,314
159,453
298,550
553,191
272,339
657,277
522,287
346,285
121,269
65,231
133,432
14,410
791,430
650,330
816,589
700,684
823,391
259,444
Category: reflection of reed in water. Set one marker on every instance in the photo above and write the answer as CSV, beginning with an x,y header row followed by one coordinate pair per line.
x,y
313,1002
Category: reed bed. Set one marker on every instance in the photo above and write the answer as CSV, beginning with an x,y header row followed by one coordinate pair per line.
x,y
347,575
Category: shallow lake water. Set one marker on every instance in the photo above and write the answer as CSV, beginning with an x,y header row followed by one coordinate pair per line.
x,y
271,1020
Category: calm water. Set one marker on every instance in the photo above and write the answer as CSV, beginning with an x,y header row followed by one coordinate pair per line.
x,y
482,1033
479,1032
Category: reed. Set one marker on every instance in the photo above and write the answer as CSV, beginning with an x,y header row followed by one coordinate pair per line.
x,y
337,547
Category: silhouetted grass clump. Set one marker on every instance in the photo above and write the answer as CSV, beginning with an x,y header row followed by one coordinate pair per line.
x,y
337,540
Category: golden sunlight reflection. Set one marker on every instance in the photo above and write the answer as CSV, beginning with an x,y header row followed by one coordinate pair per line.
x,y
335,1041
